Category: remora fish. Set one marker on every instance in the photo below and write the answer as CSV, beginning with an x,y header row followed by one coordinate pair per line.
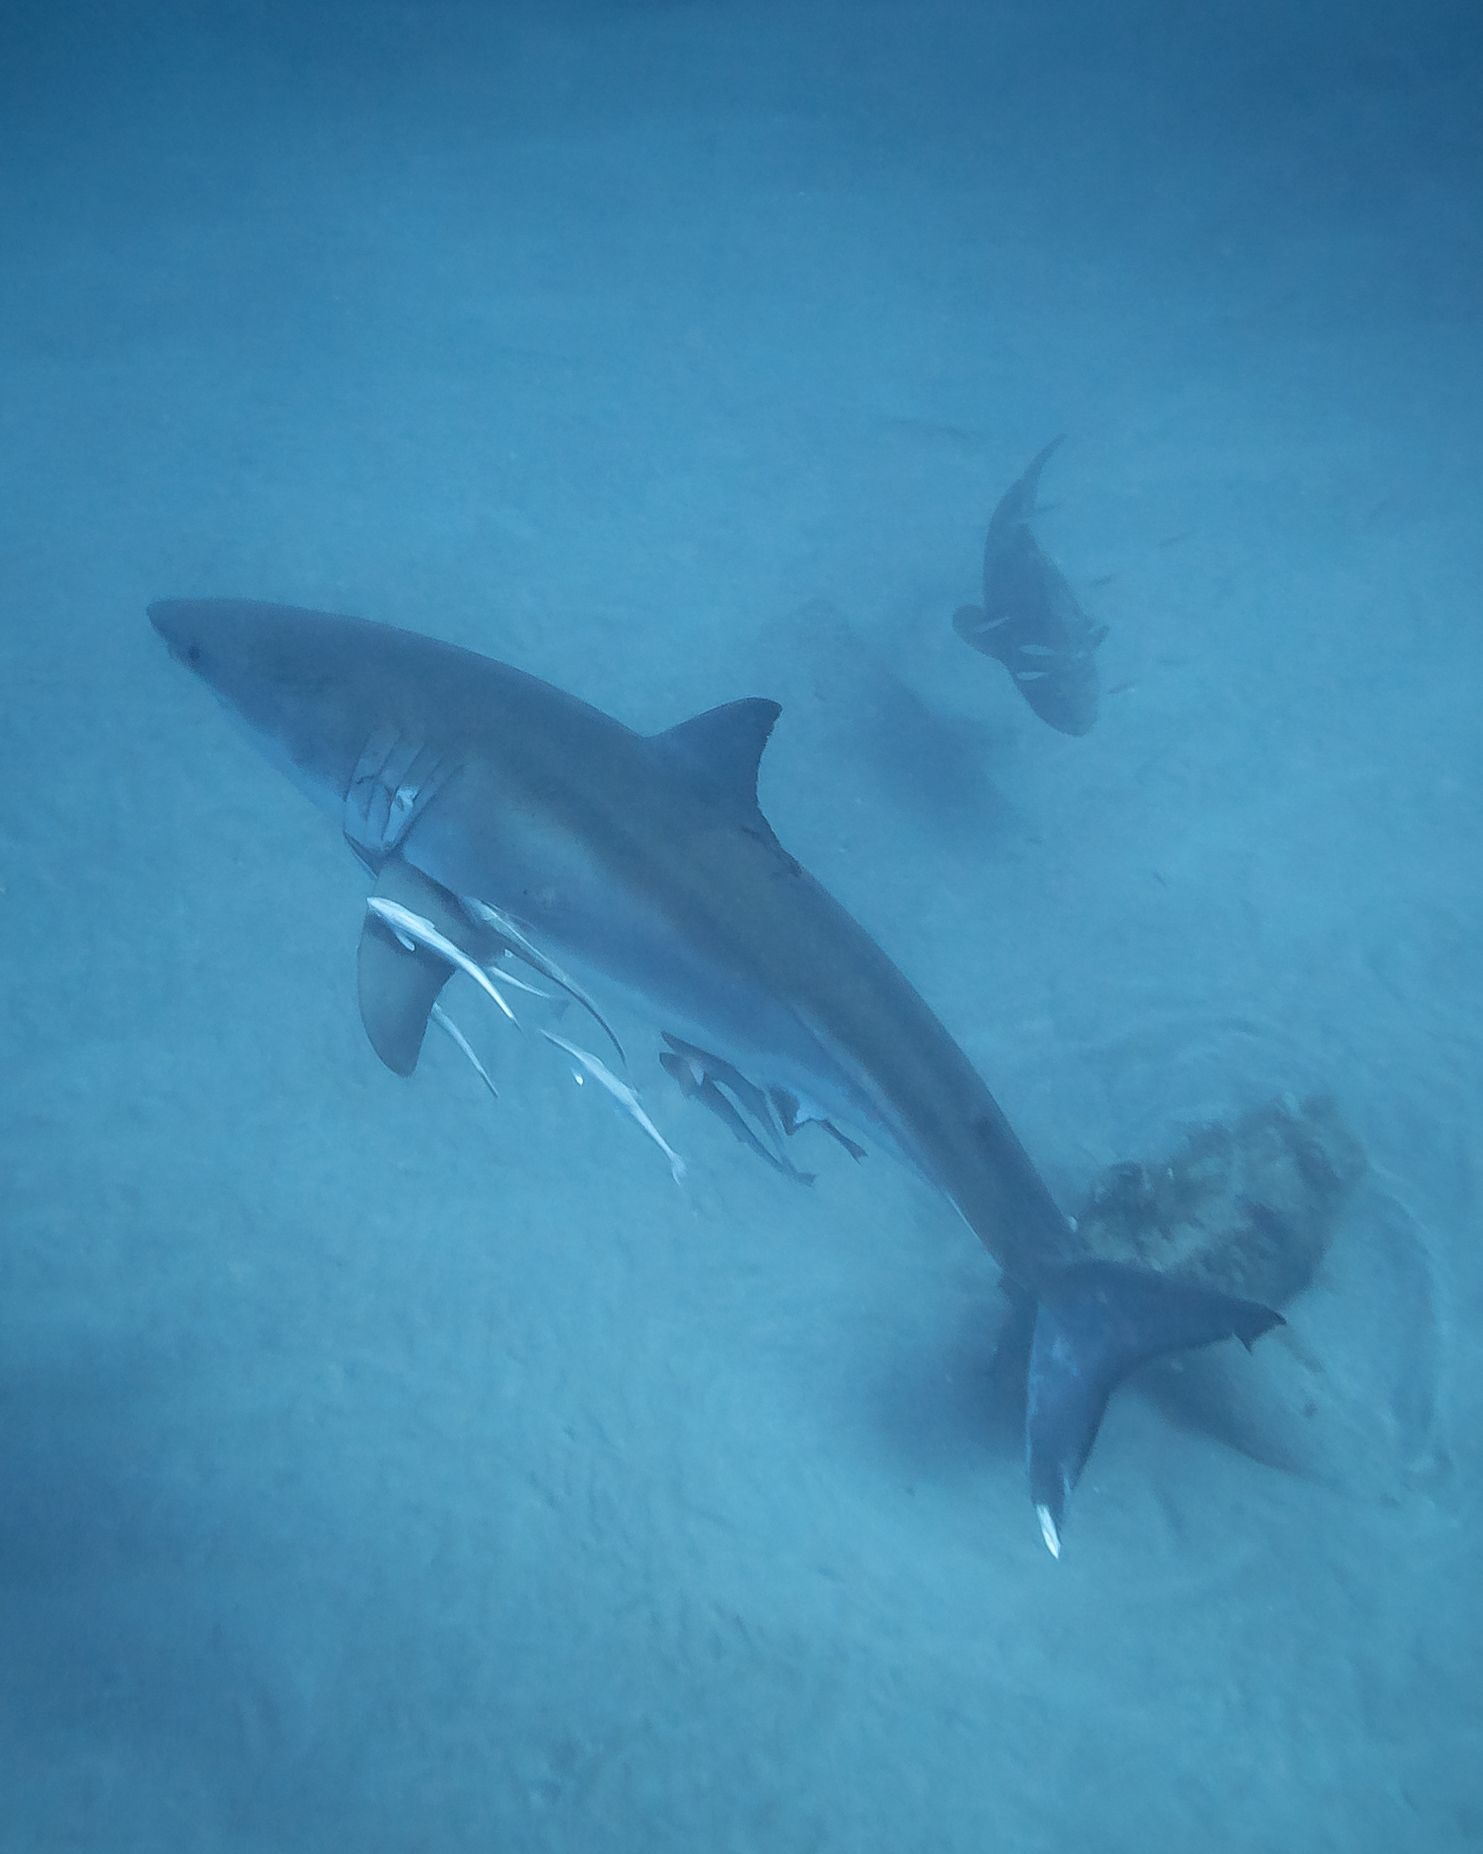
x,y
1030,620
743,1109
622,1093
646,862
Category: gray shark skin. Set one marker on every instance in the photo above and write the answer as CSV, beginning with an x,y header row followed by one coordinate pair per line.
x,y
645,862
1030,620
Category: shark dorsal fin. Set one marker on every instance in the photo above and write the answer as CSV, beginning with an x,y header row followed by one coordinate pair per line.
x,y
724,745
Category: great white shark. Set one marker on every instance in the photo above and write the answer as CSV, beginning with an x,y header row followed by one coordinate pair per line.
x,y
477,793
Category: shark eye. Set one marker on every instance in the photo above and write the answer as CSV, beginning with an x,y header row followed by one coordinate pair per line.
x,y
192,654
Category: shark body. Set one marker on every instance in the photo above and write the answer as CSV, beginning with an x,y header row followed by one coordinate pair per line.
x,y
646,862
1030,620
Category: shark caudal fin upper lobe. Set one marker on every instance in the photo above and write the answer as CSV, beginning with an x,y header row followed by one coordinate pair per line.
x,y
1094,1324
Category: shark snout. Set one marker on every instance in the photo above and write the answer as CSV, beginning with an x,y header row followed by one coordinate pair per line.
x,y
173,619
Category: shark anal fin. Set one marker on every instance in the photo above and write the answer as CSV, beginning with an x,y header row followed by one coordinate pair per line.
x,y
1096,1322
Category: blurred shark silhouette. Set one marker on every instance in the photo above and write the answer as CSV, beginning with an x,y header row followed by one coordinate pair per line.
x,y
493,812
1030,620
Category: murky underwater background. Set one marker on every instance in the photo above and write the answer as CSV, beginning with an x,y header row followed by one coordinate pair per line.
x,y
385,1468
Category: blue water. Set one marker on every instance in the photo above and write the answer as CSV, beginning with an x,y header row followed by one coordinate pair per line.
x,y
384,1468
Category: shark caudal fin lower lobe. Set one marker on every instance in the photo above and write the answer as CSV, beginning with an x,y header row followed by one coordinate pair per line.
x,y
1096,1323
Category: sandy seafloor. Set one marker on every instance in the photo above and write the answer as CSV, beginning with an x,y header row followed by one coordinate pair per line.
x,y
382,1469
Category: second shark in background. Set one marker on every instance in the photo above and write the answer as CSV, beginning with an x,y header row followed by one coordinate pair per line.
x,y
1030,620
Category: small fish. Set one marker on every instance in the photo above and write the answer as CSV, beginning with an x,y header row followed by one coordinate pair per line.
x,y
793,1115
588,1064
747,1097
519,942
450,1029
416,930
506,977
1030,620
697,1083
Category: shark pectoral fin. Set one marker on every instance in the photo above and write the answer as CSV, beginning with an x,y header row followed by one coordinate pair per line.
x,y
1096,1323
971,622
398,881
399,984
398,988
992,636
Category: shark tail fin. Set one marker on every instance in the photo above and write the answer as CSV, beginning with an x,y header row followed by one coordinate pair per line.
x,y
1095,1324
